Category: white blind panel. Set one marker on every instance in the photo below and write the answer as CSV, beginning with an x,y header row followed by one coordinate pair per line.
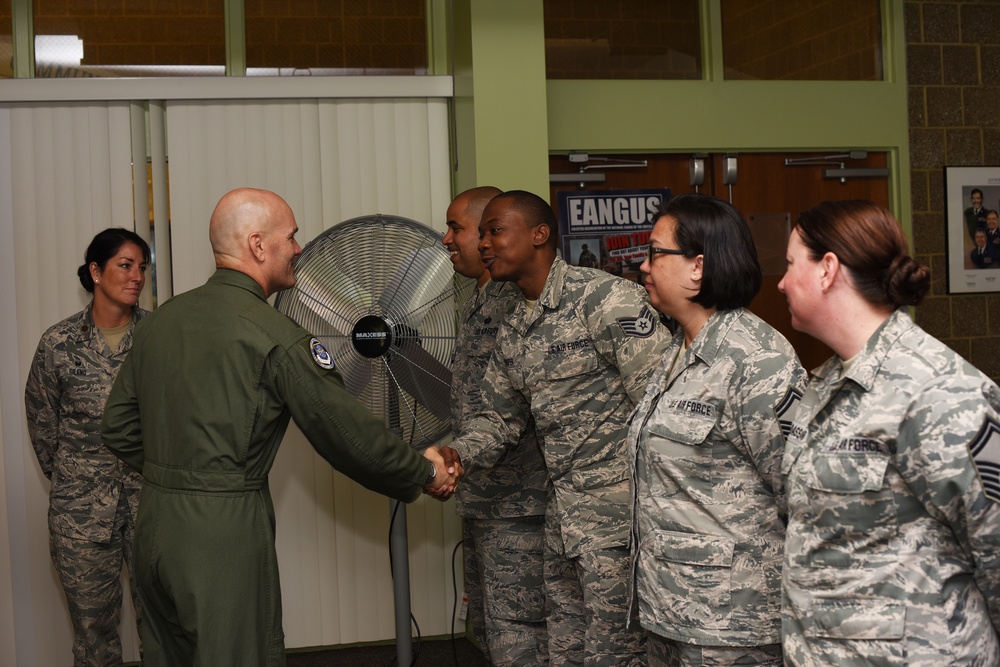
x,y
69,176
13,545
332,160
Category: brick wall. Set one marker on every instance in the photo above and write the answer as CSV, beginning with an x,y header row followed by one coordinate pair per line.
x,y
388,35
6,45
820,40
953,73
357,35
187,32
622,39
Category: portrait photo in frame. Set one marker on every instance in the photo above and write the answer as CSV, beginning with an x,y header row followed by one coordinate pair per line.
x,y
972,202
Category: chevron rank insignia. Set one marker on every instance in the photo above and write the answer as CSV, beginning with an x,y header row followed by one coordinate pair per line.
x,y
985,452
641,326
785,411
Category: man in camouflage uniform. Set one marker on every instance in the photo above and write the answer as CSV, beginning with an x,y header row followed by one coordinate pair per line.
x,y
893,542
575,354
503,507
94,496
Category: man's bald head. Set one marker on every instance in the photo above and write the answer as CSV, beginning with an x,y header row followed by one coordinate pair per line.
x,y
252,231
471,203
238,214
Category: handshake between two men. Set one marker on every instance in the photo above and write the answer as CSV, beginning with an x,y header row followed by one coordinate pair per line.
x,y
448,471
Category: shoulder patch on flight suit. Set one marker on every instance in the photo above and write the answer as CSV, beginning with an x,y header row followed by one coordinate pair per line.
x,y
985,451
642,326
320,355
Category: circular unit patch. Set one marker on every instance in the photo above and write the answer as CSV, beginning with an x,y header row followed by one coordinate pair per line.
x,y
320,354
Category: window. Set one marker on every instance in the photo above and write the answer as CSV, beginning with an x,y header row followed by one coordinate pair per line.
x,y
103,38
336,38
6,40
622,39
822,40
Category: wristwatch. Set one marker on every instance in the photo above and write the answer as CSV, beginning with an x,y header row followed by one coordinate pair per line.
x,y
434,472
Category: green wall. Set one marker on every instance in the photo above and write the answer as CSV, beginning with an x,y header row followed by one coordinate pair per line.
x,y
508,118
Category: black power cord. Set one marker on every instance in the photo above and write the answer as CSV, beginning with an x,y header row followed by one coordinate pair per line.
x,y
454,606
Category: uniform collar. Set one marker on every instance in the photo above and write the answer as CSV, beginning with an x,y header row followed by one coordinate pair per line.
x,y
552,292
550,297
86,332
85,329
869,360
715,330
237,279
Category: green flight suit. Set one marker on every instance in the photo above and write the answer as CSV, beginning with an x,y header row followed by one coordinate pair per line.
x,y
200,407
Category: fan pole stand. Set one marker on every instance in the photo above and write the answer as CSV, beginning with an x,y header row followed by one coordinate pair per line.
x,y
382,291
401,582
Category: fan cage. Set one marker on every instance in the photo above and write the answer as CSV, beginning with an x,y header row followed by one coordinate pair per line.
x,y
381,294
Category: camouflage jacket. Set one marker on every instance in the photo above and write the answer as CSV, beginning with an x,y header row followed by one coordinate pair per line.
x,y
709,519
69,380
577,364
892,554
518,484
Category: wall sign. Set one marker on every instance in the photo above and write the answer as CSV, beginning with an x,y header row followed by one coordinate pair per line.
x,y
608,229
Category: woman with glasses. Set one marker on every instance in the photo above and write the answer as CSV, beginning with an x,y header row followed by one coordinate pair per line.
x,y
706,441
892,465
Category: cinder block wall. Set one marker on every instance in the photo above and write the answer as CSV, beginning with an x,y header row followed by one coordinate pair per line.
x,y
953,72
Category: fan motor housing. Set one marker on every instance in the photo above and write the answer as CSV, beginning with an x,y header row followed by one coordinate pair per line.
x,y
372,336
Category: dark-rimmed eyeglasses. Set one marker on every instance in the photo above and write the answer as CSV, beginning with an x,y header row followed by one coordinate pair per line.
x,y
653,252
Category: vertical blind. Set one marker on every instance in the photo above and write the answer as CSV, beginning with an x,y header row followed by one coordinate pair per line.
x,y
66,172
332,160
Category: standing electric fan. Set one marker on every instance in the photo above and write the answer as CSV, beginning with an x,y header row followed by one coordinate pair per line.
x,y
382,296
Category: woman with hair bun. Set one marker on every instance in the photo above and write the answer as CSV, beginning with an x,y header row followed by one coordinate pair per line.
x,y
892,466
93,496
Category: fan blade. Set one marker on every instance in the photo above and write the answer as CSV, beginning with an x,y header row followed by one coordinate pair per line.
x,y
422,376
330,294
424,274
356,371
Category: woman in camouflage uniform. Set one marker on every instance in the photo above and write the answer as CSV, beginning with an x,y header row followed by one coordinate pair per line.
x,y
93,496
709,511
892,555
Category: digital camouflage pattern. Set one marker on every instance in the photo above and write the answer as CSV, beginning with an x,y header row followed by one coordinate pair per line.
x,y
510,556
503,506
893,542
69,380
709,520
518,484
594,634
663,652
578,365
93,497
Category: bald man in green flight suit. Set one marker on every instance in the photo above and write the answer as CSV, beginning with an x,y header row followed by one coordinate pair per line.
x,y
199,408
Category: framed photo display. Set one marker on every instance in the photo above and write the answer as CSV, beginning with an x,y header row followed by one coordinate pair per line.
x,y
972,211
